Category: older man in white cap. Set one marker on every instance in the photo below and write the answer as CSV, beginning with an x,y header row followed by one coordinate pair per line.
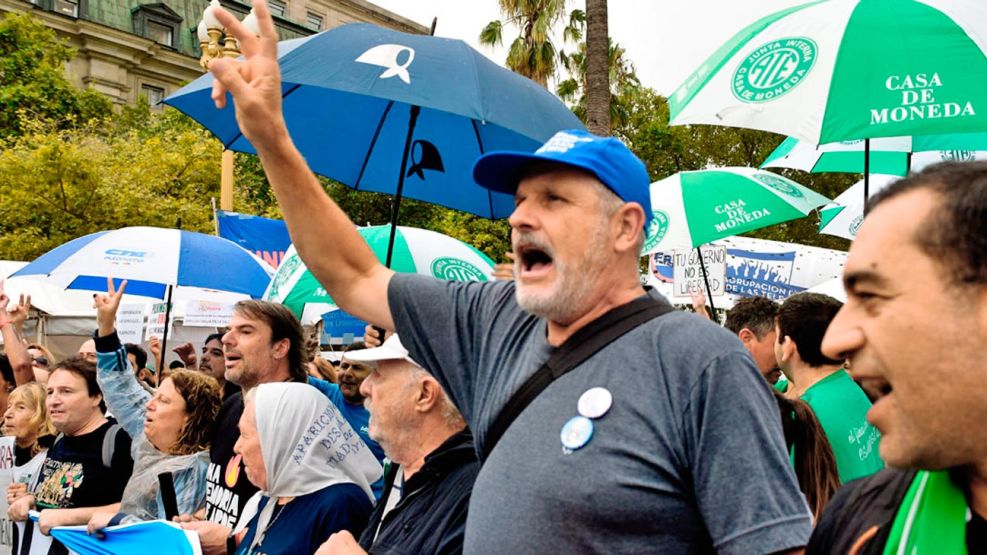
x,y
433,460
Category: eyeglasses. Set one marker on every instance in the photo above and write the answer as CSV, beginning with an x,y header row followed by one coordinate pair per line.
x,y
40,361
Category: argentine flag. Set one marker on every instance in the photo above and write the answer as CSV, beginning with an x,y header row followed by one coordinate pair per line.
x,y
125,539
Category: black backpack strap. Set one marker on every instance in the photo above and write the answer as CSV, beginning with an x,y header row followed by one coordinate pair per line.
x,y
579,347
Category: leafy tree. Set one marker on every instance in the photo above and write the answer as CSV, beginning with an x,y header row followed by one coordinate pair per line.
x,y
58,184
532,53
33,85
666,150
621,79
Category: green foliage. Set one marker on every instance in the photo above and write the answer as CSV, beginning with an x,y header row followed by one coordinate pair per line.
x,y
623,83
59,184
33,85
493,238
532,53
666,150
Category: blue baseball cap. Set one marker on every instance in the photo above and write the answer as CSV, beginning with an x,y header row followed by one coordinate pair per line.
x,y
605,157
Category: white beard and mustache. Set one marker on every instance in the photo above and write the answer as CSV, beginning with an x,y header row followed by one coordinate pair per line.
x,y
574,283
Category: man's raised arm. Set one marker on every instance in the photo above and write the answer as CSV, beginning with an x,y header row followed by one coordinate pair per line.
x,y
324,236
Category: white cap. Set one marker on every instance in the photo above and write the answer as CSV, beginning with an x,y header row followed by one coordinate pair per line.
x,y
392,349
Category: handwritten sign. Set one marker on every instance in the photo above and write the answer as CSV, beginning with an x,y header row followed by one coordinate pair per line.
x,y
688,274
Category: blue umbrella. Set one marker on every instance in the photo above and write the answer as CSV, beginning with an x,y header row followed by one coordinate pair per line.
x,y
153,260
396,113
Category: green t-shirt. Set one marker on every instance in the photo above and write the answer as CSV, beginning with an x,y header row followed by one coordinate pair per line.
x,y
841,407
781,385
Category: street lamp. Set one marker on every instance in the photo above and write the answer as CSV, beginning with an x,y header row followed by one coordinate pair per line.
x,y
214,43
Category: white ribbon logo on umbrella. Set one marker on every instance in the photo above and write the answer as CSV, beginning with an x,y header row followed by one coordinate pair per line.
x,y
386,56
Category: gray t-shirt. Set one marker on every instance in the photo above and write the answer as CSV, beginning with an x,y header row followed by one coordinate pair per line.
x,y
690,457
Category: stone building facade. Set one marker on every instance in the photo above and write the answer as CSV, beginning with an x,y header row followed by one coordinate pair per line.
x,y
126,48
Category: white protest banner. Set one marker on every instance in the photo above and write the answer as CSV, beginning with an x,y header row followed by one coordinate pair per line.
x,y
32,542
758,267
130,322
688,273
207,314
30,537
10,474
6,477
156,321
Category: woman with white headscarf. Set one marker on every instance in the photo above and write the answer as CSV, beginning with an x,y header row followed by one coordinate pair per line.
x,y
313,470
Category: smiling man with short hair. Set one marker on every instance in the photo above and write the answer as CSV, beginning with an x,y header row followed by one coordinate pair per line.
x,y
914,329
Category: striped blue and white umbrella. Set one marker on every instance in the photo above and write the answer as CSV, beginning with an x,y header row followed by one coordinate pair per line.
x,y
152,259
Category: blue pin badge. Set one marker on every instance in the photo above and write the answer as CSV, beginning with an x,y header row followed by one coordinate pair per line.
x,y
576,433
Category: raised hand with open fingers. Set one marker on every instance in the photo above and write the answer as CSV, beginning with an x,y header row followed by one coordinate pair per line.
x,y
18,313
107,306
254,81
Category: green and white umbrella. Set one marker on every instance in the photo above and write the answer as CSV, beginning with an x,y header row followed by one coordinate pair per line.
x,y
844,215
696,207
889,156
415,251
835,70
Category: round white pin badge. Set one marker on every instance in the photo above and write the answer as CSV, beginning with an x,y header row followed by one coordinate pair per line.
x,y
595,402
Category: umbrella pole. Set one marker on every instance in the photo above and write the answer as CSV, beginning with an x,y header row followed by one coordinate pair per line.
x,y
164,339
866,170
396,203
709,291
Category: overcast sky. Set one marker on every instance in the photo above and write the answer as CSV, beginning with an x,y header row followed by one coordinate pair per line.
x,y
665,39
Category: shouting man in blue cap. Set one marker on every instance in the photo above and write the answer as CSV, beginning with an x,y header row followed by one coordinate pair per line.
x,y
607,422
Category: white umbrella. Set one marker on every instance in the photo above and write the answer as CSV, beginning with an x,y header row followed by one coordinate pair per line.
x,y
695,207
842,218
155,261
848,69
888,155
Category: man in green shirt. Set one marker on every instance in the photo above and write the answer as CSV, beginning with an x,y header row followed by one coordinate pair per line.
x,y
838,402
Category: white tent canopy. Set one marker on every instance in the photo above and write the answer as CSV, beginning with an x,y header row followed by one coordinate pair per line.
x,y
63,319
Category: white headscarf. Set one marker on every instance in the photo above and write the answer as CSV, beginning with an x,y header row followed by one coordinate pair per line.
x,y
307,445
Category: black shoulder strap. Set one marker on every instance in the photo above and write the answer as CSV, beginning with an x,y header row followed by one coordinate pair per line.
x,y
579,347
109,445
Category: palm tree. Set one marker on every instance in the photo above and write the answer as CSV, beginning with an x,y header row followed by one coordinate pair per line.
x,y
532,53
621,82
597,70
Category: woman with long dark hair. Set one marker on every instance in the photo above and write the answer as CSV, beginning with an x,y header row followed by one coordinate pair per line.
x,y
812,456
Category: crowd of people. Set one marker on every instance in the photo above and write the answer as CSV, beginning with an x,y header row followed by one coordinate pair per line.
x,y
566,408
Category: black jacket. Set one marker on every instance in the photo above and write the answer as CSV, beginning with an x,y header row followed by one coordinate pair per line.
x,y
858,507
431,515
859,518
